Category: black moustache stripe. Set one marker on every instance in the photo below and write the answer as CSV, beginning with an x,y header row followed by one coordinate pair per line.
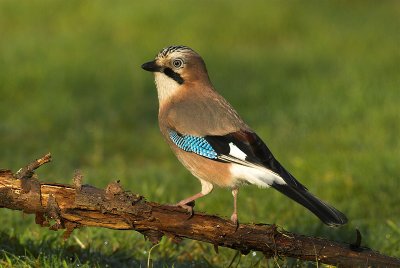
x,y
174,75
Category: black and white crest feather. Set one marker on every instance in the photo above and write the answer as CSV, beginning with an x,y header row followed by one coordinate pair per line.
x,y
165,51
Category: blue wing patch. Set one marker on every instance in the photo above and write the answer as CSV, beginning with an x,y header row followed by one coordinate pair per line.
x,y
197,145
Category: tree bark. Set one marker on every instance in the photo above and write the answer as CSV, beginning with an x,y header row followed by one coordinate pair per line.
x,y
60,206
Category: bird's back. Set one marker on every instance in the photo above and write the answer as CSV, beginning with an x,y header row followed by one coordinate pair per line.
x,y
201,112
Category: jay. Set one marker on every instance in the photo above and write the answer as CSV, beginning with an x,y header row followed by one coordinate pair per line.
x,y
213,142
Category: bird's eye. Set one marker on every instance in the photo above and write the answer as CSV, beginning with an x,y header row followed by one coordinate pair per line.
x,y
177,63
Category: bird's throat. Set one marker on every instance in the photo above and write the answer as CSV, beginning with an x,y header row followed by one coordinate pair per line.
x,y
166,87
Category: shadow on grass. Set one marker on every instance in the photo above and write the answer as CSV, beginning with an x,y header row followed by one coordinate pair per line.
x,y
48,252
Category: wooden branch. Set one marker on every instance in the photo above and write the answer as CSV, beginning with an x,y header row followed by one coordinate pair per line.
x,y
59,206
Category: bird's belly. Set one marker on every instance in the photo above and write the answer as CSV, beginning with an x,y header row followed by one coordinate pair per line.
x,y
215,172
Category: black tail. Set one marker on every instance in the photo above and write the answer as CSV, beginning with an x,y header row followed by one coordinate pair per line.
x,y
326,213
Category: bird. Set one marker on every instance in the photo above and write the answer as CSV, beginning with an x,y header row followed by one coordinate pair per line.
x,y
213,142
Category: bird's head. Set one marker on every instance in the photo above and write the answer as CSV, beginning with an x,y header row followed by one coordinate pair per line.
x,y
174,67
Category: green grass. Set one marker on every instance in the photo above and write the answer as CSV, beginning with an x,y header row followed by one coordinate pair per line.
x,y
319,81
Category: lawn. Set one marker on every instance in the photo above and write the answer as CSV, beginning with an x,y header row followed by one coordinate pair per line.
x,y
318,81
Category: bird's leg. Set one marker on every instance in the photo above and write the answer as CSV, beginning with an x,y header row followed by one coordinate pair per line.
x,y
206,188
234,217
185,203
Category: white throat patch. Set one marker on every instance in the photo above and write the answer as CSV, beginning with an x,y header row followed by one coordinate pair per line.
x,y
166,86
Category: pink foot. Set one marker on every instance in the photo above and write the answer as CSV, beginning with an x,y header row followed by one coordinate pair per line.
x,y
187,206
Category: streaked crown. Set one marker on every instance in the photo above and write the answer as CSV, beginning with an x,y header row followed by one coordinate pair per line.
x,y
171,49
181,63
177,66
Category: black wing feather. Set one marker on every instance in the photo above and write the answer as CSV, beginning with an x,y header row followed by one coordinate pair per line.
x,y
258,153
255,149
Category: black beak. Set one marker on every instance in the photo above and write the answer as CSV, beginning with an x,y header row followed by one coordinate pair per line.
x,y
151,66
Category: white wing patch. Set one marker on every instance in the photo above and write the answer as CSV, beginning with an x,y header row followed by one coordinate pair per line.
x,y
243,170
236,152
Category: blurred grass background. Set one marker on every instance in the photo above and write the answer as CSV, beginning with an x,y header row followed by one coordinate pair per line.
x,y
318,80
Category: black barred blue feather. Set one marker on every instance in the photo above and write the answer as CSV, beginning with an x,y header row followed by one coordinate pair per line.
x,y
247,149
197,145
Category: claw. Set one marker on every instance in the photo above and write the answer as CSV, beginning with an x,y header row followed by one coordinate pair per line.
x,y
188,206
188,203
